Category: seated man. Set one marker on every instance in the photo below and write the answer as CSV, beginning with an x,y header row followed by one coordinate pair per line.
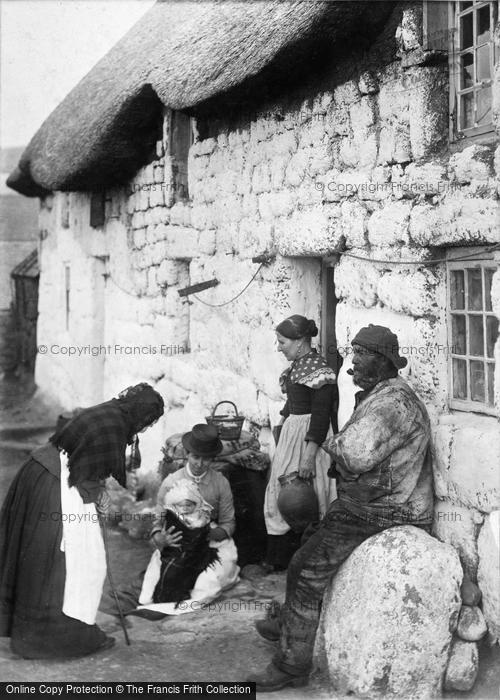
x,y
384,478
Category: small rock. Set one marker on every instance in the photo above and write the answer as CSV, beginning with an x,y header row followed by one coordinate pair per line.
x,y
463,666
471,624
470,593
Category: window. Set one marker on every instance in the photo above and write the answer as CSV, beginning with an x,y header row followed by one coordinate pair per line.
x,y
464,30
97,209
472,333
472,62
181,138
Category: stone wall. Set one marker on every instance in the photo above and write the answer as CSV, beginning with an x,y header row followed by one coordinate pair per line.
x,y
358,167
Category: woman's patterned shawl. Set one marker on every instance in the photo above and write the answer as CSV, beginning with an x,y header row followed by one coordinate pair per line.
x,y
310,370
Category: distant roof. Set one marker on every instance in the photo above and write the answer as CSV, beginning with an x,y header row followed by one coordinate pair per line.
x,y
181,54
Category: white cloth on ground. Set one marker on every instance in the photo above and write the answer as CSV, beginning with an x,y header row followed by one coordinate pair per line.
x,y
208,586
84,553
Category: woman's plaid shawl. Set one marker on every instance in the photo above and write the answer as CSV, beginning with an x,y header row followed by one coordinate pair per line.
x,y
95,441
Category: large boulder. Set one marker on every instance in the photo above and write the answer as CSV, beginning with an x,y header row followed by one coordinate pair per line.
x,y
389,615
488,545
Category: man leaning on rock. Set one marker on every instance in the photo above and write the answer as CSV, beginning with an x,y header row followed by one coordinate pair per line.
x,y
382,464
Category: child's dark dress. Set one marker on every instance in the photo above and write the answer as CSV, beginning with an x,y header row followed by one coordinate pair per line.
x,y
181,566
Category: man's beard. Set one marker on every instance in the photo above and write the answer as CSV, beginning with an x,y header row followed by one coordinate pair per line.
x,y
365,381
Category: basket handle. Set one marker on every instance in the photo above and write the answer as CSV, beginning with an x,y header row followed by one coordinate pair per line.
x,y
220,402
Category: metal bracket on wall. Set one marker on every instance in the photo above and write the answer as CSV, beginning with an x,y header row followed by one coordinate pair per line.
x,y
194,288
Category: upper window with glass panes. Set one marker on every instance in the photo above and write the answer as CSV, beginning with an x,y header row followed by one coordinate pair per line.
x,y
472,334
473,56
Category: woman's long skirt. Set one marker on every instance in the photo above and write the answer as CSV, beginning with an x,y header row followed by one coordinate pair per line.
x,y
32,572
290,452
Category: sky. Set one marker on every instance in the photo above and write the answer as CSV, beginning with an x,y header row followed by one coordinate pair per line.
x,y
46,47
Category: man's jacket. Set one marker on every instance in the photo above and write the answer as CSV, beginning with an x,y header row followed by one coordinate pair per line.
x,y
383,459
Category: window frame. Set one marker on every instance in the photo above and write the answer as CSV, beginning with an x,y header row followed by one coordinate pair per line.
x,y
454,55
485,260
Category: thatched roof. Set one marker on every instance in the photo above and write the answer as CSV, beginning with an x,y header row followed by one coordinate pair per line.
x,y
181,54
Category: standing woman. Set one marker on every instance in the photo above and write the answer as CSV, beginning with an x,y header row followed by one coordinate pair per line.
x,y
310,387
52,558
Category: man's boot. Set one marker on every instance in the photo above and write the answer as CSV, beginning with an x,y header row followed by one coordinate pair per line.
x,y
273,678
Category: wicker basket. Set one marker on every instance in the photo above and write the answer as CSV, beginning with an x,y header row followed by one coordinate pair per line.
x,y
229,426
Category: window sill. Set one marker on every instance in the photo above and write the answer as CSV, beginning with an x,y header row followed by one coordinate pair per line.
x,y
487,139
468,419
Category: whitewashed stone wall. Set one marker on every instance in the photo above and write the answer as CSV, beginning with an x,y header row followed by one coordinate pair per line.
x,y
362,168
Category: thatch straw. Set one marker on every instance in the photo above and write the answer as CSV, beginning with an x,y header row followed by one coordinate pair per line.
x,y
181,54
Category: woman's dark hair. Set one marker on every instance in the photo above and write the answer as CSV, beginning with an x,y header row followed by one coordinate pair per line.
x,y
295,327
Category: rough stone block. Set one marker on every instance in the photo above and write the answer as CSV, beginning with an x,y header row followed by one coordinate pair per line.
x,y
206,242
144,201
313,132
354,220
463,666
467,451
200,217
250,205
204,147
395,145
387,615
138,219
261,179
283,144
389,226
471,624
346,93
159,252
140,238
337,120
152,281
168,273
425,178
489,571
410,292
349,152
356,282
277,171
409,32
156,196
297,168
306,232
428,110
459,526
367,84
473,163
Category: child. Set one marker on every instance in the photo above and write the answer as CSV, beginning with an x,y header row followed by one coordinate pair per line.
x,y
188,513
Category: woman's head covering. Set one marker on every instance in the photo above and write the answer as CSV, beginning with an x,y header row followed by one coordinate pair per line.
x,y
97,437
187,490
142,404
296,327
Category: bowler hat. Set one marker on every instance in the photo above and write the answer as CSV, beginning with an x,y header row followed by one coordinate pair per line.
x,y
202,441
382,340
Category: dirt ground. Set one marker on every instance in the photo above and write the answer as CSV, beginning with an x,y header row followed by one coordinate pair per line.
x,y
216,644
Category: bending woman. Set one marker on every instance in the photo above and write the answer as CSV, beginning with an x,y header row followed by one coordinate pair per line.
x,y
310,387
52,558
